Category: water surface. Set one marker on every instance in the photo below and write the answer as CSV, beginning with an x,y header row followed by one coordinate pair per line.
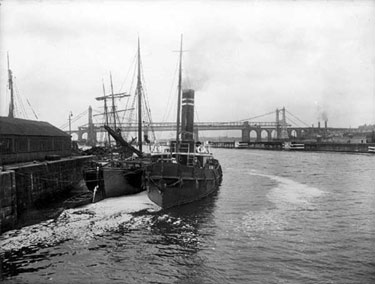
x,y
279,217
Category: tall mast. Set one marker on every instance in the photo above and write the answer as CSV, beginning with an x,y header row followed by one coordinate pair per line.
x,y
105,106
10,78
139,92
113,103
179,99
106,112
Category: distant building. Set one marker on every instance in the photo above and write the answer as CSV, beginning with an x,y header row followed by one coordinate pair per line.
x,y
23,140
367,128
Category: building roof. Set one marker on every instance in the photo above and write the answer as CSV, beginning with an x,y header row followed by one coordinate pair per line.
x,y
25,127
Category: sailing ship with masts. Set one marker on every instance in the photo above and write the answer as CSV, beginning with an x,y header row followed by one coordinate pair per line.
x,y
120,174
190,172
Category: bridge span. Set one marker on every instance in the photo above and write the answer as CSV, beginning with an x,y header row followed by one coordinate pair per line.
x,y
269,131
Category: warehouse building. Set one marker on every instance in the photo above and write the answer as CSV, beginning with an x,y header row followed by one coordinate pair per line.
x,y
24,140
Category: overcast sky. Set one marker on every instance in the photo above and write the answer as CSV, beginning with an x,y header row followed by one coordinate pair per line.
x,y
244,58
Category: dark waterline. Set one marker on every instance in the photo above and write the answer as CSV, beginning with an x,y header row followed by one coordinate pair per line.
x,y
279,217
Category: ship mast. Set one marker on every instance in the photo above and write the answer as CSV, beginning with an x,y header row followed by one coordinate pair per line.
x,y
10,80
179,100
113,102
106,113
139,92
105,106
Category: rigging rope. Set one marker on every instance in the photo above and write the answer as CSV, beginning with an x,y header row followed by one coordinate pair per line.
x,y
19,106
171,102
133,100
32,109
146,103
18,103
75,118
127,74
171,92
132,66
292,121
250,118
130,103
297,118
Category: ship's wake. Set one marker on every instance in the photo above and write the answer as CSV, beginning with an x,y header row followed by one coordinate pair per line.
x,y
125,221
289,198
81,224
290,193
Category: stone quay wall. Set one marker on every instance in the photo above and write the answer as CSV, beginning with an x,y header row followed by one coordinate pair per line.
x,y
38,184
8,200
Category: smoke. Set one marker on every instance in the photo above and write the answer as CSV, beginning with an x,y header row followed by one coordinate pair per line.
x,y
324,116
321,113
206,59
196,67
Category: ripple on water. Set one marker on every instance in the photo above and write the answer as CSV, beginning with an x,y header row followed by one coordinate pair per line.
x,y
306,223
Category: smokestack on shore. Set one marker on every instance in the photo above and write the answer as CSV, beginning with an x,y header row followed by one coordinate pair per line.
x,y
319,124
187,115
325,124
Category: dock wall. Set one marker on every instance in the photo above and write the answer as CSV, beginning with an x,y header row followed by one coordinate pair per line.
x,y
339,147
38,184
8,200
309,146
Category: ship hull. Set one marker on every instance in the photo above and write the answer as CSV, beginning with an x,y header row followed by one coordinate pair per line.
x,y
118,182
93,177
170,185
112,181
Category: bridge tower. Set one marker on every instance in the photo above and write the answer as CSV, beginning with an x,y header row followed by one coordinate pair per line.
x,y
278,124
245,132
91,133
284,131
281,125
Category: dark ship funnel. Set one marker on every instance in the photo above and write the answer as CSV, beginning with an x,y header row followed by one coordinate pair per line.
x,y
187,115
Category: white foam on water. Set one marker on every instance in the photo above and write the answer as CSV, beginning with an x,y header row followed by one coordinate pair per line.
x,y
130,203
286,195
290,192
80,224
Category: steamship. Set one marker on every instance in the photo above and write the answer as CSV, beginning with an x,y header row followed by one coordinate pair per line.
x,y
190,171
